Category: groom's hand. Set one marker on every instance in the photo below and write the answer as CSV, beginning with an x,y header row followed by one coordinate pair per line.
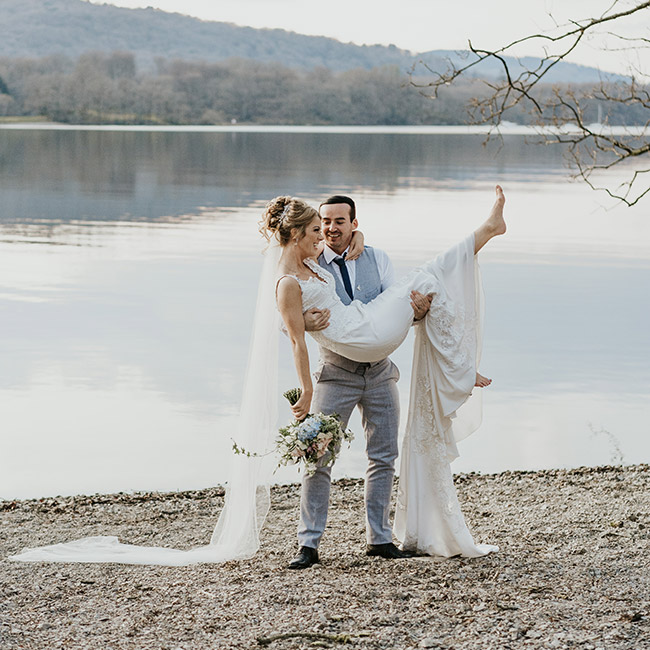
x,y
316,319
421,304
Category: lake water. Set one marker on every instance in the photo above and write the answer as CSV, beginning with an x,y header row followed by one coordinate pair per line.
x,y
128,271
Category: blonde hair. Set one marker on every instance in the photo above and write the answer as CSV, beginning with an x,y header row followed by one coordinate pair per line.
x,y
284,213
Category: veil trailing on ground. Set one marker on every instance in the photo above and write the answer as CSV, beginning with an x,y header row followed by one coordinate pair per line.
x,y
236,535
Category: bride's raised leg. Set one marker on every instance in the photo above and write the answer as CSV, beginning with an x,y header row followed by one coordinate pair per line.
x,y
494,224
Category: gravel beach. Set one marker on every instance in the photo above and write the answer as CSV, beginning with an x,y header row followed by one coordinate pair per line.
x,y
573,572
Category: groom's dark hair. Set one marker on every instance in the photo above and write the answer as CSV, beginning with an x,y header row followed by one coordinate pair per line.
x,y
338,198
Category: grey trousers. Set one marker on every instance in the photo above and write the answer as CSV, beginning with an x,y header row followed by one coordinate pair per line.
x,y
371,387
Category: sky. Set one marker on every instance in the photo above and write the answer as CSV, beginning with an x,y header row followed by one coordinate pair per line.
x,y
422,25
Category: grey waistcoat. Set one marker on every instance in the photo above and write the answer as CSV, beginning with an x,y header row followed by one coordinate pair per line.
x,y
367,284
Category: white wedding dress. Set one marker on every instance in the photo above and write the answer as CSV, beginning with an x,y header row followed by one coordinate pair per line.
x,y
428,518
447,350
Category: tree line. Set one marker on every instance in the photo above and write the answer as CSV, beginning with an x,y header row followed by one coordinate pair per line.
x,y
100,88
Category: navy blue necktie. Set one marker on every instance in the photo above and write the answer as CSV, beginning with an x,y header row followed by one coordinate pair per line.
x,y
345,275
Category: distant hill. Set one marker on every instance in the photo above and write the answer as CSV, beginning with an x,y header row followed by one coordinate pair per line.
x,y
72,27
35,28
563,72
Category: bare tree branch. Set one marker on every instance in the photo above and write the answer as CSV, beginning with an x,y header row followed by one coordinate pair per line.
x,y
592,149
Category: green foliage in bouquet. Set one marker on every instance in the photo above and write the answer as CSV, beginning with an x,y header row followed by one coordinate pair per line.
x,y
308,441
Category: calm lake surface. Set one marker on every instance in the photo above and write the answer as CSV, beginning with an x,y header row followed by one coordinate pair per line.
x,y
128,272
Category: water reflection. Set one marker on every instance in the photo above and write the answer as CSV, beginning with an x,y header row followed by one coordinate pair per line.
x,y
155,176
129,262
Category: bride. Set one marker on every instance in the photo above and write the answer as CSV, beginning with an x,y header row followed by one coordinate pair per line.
x,y
446,356
447,352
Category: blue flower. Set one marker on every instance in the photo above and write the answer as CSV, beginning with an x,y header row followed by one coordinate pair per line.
x,y
309,429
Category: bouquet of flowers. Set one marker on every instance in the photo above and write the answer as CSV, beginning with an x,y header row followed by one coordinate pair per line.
x,y
308,440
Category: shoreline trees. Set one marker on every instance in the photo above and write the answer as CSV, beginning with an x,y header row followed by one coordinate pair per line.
x,y
100,88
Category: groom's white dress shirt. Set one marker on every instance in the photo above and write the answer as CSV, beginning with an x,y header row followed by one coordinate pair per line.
x,y
384,266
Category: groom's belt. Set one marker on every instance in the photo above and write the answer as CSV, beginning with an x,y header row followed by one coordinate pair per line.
x,y
327,356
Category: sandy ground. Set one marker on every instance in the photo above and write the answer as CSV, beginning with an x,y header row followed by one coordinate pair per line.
x,y
573,572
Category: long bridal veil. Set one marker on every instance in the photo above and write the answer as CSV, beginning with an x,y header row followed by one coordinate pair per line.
x,y
247,501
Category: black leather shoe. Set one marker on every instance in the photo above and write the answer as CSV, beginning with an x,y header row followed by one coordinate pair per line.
x,y
305,558
388,551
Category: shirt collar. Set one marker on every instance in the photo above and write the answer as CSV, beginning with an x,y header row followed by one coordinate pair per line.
x,y
329,254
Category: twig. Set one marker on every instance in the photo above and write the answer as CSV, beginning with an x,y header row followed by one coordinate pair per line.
x,y
337,638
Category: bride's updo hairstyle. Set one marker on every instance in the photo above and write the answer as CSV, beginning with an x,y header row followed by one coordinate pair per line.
x,y
282,214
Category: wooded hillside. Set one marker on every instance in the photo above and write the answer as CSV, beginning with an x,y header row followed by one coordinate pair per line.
x,y
36,28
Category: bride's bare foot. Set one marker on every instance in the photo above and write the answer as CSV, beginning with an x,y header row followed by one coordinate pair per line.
x,y
494,225
482,381
495,221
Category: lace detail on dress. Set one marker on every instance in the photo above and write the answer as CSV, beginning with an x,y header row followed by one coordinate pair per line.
x,y
423,428
318,291
428,444
324,276
322,273
455,332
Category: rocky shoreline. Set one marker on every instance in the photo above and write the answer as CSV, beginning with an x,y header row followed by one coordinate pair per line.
x,y
573,572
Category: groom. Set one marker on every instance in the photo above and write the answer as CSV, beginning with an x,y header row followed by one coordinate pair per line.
x,y
343,384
